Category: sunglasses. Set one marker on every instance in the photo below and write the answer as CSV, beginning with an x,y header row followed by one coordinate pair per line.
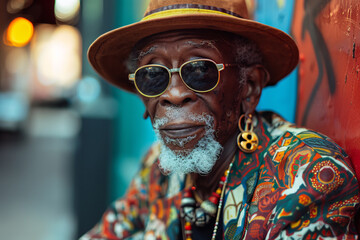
x,y
199,75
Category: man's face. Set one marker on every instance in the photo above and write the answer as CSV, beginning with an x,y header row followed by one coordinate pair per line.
x,y
182,116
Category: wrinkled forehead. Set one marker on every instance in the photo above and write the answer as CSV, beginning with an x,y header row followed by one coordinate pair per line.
x,y
195,38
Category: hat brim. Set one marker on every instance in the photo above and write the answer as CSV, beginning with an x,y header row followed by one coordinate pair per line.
x,y
108,53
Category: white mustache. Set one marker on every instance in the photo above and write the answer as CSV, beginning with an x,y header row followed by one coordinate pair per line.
x,y
177,113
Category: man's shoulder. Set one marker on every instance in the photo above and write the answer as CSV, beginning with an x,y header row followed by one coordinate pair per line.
x,y
289,137
151,155
303,157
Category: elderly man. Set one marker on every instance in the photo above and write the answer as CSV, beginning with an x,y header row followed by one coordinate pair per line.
x,y
220,170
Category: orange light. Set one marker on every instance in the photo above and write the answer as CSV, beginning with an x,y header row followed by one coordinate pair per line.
x,y
19,32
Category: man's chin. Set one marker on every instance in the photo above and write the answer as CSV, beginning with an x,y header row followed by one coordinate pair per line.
x,y
182,143
181,151
196,152
199,157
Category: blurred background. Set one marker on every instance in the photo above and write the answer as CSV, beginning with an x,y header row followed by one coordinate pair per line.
x,y
69,142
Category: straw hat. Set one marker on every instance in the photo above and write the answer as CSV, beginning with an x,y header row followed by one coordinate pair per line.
x,y
110,51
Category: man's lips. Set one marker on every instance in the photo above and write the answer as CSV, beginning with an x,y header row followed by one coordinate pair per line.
x,y
181,130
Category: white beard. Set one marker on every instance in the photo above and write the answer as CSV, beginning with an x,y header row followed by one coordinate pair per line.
x,y
200,160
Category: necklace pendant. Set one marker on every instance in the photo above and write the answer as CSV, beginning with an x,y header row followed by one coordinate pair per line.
x,y
201,215
189,214
209,207
202,218
188,207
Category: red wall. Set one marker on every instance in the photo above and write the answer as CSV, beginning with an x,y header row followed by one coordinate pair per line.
x,y
328,35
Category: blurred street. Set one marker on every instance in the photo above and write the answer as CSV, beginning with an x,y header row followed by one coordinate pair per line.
x,y
56,131
36,181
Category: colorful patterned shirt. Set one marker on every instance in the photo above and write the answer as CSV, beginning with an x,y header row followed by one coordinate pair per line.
x,y
298,184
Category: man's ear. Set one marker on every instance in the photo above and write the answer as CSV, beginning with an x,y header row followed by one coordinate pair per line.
x,y
146,114
257,78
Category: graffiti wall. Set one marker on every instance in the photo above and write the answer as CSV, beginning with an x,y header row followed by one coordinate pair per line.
x,y
328,35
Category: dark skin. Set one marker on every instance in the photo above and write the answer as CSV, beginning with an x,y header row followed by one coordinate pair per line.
x,y
225,104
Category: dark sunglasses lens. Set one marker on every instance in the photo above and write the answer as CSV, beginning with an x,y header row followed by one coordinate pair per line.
x,y
200,75
152,80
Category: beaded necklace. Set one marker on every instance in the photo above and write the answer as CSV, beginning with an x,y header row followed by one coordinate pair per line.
x,y
200,216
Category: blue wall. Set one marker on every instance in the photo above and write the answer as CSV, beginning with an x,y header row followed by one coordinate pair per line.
x,y
282,97
134,135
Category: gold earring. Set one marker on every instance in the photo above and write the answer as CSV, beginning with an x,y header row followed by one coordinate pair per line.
x,y
247,140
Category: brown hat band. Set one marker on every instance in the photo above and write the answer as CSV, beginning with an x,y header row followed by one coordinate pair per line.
x,y
175,9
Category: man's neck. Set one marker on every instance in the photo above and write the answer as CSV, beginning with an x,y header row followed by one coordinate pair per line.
x,y
206,184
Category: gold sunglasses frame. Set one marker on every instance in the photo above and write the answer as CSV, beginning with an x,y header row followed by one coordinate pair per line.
x,y
219,66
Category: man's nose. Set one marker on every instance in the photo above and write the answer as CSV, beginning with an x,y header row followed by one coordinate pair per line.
x,y
177,93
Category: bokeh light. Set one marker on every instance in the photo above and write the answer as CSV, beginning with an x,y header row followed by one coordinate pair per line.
x,y
89,89
14,6
16,61
66,10
19,32
56,52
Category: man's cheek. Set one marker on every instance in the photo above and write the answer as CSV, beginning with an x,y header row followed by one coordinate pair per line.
x,y
150,107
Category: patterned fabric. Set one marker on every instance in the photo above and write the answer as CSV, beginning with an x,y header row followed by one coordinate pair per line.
x,y
297,185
